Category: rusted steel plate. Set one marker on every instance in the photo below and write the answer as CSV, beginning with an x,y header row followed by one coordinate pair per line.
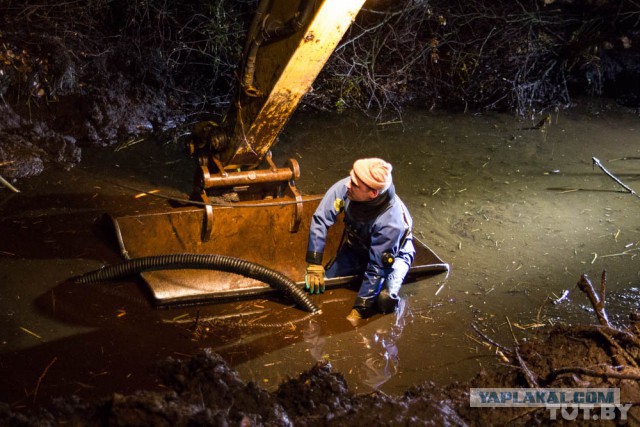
x,y
257,234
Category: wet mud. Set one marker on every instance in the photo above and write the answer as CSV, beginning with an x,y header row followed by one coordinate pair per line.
x,y
204,390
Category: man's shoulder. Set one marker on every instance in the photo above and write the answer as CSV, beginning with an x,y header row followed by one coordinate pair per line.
x,y
397,207
398,203
339,186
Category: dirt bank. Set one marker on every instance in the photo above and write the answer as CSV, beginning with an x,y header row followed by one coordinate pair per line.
x,y
203,390
73,75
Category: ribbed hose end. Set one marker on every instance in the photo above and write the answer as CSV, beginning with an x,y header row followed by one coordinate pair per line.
x,y
77,279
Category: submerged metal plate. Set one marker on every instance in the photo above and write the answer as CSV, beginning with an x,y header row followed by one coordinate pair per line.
x,y
258,233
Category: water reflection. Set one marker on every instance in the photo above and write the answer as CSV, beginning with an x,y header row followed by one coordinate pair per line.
x,y
382,360
315,341
376,351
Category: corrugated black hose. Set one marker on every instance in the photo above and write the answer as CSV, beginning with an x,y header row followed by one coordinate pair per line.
x,y
203,261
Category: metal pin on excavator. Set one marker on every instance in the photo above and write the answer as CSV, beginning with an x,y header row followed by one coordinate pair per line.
x,y
288,43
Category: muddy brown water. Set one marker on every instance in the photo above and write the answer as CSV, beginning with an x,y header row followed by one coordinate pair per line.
x,y
518,213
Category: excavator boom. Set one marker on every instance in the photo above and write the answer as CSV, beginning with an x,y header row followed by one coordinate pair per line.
x,y
288,44
283,71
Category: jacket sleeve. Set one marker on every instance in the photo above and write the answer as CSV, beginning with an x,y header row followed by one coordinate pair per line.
x,y
391,233
324,217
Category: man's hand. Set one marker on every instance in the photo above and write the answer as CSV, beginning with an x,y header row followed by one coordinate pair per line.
x,y
314,278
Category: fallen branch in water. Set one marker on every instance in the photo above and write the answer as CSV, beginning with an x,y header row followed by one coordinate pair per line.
x,y
490,341
591,373
529,376
597,355
626,336
621,355
596,162
597,301
528,373
8,185
41,377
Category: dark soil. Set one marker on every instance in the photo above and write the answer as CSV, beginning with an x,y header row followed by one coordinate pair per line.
x,y
203,390
73,75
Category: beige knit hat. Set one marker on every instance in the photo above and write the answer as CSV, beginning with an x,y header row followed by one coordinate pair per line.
x,y
373,172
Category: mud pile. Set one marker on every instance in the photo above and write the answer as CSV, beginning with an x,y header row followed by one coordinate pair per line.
x,y
204,390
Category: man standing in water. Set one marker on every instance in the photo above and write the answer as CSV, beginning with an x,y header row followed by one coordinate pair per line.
x,y
377,241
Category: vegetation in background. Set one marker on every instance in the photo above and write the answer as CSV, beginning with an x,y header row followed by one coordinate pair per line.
x,y
100,71
522,56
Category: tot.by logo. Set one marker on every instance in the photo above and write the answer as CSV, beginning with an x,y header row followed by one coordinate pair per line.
x,y
588,412
564,403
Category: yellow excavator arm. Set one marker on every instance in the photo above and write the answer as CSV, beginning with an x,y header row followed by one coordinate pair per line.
x,y
288,43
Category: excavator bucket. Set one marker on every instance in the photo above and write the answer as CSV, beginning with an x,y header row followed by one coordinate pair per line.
x,y
259,232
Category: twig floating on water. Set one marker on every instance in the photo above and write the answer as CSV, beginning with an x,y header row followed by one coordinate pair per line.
x,y
597,300
30,332
392,122
146,193
490,341
627,252
529,326
127,144
596,162
515,340
625,158
41,377
8,185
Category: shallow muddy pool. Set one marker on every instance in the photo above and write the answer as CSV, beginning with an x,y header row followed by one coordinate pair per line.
x,y
518,211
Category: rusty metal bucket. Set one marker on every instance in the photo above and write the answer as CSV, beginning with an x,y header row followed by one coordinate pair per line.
x,y
259,232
